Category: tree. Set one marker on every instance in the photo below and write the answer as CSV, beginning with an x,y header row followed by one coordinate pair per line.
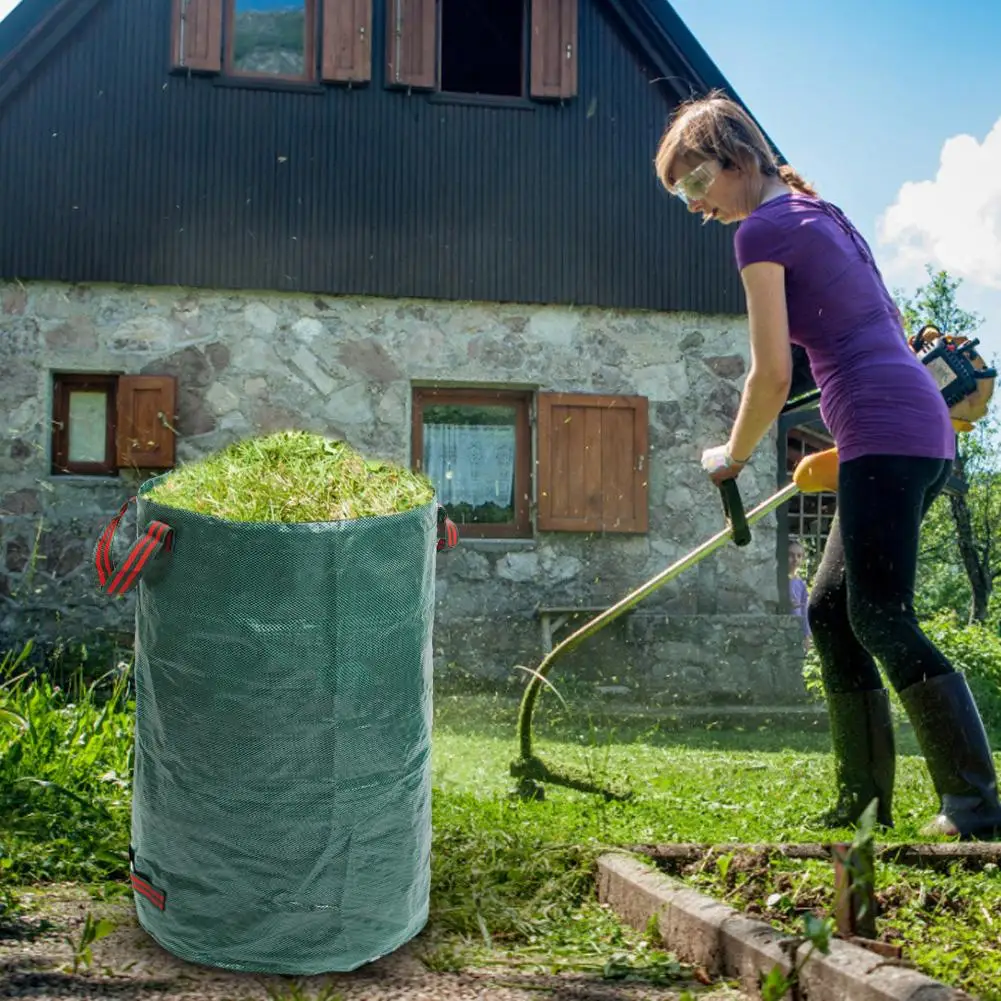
x,y
960,558
975,514
936,303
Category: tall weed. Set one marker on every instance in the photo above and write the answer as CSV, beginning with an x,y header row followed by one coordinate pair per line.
x,y
65,771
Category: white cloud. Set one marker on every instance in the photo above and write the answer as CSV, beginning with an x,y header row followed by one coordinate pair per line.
x,y
953,221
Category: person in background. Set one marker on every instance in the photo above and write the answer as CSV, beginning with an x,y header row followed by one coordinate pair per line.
x,y
798,593
810,279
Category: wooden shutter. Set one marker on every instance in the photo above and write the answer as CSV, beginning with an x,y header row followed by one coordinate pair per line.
x,y
197,35
347,40
592,463
554,48
146,421
411,43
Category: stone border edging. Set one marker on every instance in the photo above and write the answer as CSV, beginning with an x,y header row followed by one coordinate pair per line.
x,y
726,943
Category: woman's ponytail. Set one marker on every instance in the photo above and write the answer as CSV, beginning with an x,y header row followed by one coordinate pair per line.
x,y
787,174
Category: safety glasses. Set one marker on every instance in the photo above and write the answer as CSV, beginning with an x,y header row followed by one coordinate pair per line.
x,y
695,185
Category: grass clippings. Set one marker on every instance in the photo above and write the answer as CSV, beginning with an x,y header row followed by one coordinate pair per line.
x,y
292,477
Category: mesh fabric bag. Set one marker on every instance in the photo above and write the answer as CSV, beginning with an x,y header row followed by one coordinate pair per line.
x,y
281,815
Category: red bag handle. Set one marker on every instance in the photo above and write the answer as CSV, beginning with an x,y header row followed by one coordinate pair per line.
x,y
451,537
159,536
117,580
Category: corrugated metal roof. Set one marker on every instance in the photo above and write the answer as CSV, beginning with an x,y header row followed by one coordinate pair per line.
x,y
113,169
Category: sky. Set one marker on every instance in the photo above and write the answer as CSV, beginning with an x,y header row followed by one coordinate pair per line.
x,y
892,108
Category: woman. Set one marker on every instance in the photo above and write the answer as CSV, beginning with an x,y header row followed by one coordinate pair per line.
x,y
810,279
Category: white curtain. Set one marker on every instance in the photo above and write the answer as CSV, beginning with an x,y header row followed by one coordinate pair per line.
x,y
471,464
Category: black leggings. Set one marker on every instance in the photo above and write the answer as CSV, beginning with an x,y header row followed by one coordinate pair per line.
x,y
861,608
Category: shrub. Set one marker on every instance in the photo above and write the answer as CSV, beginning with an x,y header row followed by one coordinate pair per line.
x,y
9,902
973,649
976,651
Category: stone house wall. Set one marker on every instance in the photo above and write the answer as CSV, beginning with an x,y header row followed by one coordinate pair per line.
x,y
344,366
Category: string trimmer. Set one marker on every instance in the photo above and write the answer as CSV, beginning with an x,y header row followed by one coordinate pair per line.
x,y
967,384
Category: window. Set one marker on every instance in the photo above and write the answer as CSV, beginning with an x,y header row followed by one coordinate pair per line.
x,y
475,446
590,474
272,38
809,515
483,47
478,47
103,423
83,424
298,40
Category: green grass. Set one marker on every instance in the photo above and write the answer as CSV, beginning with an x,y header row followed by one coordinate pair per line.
x,y
709,786
512,880
702,785
292,477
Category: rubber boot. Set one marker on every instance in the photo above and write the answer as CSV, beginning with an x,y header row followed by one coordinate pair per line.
x,y
952,737
865,760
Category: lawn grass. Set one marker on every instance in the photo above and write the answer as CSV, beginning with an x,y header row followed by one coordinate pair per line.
x,y
512,879
722,786
292,477
706,785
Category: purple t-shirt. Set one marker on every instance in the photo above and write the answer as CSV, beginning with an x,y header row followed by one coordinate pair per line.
x,y
876,397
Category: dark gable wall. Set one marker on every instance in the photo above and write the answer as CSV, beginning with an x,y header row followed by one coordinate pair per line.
x,y
112,169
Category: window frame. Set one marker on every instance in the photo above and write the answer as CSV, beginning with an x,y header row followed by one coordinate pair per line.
x,y
413,54
800,442
521,399
310,55
63,384
800,432
463,96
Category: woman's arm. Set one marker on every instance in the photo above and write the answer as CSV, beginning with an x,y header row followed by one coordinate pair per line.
x,y
767,386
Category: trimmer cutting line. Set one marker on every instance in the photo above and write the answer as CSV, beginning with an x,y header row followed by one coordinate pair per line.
x,y
967,384
531,770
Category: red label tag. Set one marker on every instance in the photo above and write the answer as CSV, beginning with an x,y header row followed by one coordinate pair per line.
x,y
141,884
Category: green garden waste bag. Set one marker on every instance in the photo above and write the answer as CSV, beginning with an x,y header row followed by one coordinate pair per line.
x,y
281,817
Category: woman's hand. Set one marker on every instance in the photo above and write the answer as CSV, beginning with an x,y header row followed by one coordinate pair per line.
x,y
720,464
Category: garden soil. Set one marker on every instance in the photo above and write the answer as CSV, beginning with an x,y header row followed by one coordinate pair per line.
x,y
36,962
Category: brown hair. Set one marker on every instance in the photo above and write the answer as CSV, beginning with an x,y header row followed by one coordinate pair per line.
x,y
716,128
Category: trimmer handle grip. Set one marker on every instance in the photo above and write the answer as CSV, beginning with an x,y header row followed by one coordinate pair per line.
x,y
733,512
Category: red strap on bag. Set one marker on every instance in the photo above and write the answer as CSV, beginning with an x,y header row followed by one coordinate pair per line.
x,y
118,580
144,885
451,537
156,897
